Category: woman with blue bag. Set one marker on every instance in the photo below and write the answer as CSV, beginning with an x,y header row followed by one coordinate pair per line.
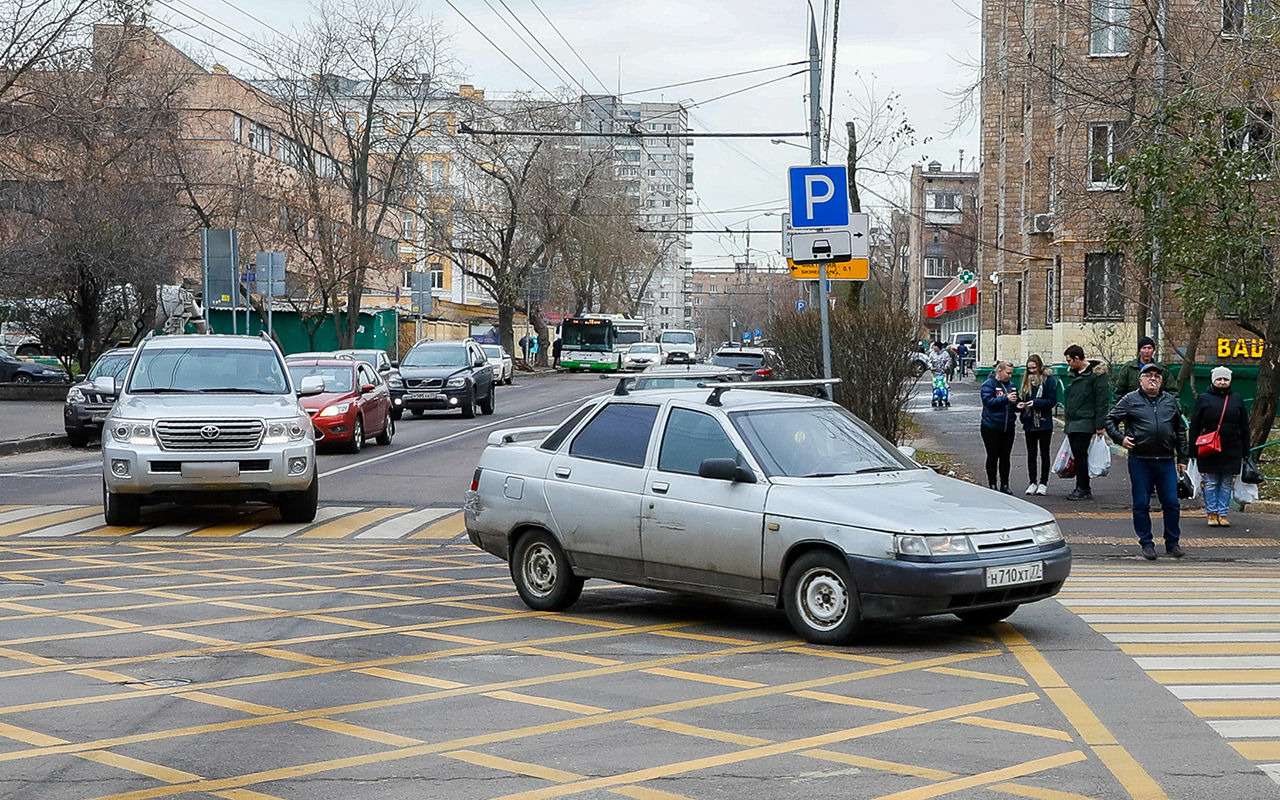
x,y
1038,398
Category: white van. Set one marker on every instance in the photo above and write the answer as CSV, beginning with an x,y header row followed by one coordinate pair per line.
x,y
679,346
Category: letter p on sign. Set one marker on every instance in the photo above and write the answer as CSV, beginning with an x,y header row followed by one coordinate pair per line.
x,y
819,197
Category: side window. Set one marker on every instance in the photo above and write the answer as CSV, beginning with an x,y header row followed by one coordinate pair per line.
x,y
692,437
619,434
371,375
558,436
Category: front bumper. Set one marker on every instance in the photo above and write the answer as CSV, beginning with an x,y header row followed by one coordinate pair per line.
x,y
333,429
151,470
437,399
892,589
678,358
84,418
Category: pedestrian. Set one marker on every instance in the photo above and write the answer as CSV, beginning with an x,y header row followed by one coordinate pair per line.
x,y
556,348
962,355
1222,411
939,361
999,423
1086,400
524,347
1149,424
1037,399
1126,378
951,367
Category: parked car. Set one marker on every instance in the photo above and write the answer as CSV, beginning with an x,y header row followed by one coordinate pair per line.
x,y
208,418
642,355
678,346
674,376
17,340
15,370
354,406
760,496
86,408
447,376
387,369
754,362
504,367
312,356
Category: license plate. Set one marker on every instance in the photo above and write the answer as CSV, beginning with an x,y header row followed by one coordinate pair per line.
x,y
207,470
423,396
1015,574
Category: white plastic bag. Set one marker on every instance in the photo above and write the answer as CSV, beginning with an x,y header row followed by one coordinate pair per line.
x,y
1099,458
1245,492
1193,472
1063,466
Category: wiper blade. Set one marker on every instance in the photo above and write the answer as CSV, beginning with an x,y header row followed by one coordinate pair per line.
x,y
827,474
870,470
161,390
233,389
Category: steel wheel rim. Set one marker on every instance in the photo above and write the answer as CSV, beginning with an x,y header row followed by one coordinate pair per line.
x,y
822,598
541,569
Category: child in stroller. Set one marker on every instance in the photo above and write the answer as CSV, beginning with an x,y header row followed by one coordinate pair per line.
x,y
941,391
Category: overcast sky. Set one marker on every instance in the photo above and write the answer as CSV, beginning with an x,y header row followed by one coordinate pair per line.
x,y
919,49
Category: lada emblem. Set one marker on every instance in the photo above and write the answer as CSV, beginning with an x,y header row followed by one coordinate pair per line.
x,y
1004,537
210,432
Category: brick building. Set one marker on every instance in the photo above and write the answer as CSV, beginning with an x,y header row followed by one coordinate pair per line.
x,y
941,242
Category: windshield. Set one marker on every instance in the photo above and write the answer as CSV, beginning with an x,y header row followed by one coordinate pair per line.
x,y
336,379
643,348
595,335
110,366
738,360
442,355
370,357
208,369
627,336
682,382
492,350
811,443
677,337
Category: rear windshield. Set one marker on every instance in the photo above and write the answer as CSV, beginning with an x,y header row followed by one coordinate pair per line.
x,y
738,360
196,370
336,379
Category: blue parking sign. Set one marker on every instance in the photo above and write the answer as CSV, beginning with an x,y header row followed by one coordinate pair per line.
x,y
819,196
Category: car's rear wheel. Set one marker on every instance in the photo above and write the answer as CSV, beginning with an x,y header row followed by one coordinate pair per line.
x,y
22,377
388,431
300,506
357,437
820,598
488,405
542,573
469,405
120,509
988,616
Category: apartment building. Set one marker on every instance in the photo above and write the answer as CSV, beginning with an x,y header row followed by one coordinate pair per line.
x,y
658,171
942,244
729,301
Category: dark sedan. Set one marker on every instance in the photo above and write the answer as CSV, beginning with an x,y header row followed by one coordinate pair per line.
x,y
15,370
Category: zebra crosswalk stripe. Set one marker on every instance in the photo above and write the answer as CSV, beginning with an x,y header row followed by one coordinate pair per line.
x,y
283,530
404,525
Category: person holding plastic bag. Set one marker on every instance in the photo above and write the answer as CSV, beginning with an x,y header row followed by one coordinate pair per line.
x,y
1219,435
1149,424
1085,402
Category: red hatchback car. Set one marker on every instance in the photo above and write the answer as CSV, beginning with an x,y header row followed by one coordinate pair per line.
x,y
354,406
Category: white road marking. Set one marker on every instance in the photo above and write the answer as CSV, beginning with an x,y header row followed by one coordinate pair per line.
x,y
401,526
281,530
1171,602
30,511
68,528
1171,617
1238,691
168,531
1242,636
1209,662
1247,728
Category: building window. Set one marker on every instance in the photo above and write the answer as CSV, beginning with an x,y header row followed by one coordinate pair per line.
x,y
437,276
1103,286
260,138
437,173
1252,131
1053,185
237,128
407,225
1103,149
1109,27
1022,304
937,268
1051,294
944,201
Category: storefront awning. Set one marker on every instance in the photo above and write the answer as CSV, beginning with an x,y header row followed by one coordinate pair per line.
x,y
952,298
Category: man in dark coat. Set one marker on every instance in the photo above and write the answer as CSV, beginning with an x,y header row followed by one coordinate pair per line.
x,y
1220,410
1126,378
1085,403
1148,423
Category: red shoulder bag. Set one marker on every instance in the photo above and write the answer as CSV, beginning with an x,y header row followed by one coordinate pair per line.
x,y
1210,444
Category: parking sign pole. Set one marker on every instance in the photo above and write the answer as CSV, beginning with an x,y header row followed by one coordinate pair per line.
x,y
815,157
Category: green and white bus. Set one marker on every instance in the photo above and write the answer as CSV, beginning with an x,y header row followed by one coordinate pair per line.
x,y
597,342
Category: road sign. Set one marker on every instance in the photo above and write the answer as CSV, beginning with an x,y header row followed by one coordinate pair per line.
x,y
420,292
801,306
268,273
759,333
819,196
854,269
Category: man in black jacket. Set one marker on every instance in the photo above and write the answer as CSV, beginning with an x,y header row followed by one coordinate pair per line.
x,y
1148,423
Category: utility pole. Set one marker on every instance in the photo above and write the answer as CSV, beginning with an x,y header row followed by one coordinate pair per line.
x,y
815,157
1161,62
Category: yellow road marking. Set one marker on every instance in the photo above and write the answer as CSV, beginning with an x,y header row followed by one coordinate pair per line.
x,y
243,525
450,527
1259,750
546,702
705,637
566,656
838,655
701,733
361,732
1135,780
514,767
1016,727
160,773
409,677
982,676
114,531
29,524
343,527
988,778
699,677
1227,709
1184,627
243,706
857,702
1200,648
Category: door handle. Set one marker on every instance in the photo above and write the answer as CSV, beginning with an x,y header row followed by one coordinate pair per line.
x,y
563,472
661,488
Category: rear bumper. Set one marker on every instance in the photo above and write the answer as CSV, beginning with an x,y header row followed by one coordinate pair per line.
x,y
897,589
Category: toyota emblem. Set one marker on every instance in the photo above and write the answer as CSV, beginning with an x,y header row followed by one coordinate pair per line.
x,y
210,432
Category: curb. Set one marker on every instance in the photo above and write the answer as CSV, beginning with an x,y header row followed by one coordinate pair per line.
x,y
33,444
1264,507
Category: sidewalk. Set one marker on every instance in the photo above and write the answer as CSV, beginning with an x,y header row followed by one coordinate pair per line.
x,y
1104,525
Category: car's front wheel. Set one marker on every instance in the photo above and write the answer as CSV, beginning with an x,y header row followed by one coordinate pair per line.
x,y
300,506
120,509
820,598
542,573
357,437
988,616
488,405
469,405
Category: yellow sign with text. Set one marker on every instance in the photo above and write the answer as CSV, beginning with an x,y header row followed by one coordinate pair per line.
x,y
1240,348
855,269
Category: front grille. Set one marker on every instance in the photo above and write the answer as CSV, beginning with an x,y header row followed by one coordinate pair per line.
x,y
1012,594
419,383
1007,540
173,467
238,434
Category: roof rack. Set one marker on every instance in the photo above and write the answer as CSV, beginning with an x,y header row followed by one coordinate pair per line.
x,y
718,391
625,381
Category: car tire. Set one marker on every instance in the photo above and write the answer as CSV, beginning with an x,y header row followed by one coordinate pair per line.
x,y
22,377
398,414
487,406
469,406
300,506
120,509
820,598
388,432
78,439
987,616
542,574
357,436
419,413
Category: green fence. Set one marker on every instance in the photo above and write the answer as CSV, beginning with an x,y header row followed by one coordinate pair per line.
x,y
377,330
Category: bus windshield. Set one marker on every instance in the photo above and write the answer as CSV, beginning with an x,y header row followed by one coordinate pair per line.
x,y
628,336
593,335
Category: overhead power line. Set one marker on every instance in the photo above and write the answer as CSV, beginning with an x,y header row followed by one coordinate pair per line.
x,y
572,49
516,33
634,134
831,99
495,46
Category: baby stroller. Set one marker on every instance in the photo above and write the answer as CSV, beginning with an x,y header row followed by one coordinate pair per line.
x,y
941,391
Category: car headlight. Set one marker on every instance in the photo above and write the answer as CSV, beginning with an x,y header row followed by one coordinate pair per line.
x,y
395,382
75,395
335,410
456,383
933,545
283,431
1048,533
131,432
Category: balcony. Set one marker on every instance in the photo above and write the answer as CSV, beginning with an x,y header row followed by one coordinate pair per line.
x,y
943,217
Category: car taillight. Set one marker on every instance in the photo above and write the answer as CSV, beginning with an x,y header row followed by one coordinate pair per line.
x,y
475,481
764,373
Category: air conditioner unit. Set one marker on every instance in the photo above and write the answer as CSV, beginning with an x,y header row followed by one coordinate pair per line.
x,y
1042,223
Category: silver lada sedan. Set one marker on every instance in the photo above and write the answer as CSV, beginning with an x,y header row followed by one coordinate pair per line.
x,y
760,496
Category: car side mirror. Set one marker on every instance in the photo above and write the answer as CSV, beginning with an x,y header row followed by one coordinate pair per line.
x,y
105,385
908,451
395,365
725,469
366,388
311,386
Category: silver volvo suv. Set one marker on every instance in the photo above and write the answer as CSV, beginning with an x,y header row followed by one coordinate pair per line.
x,y
207,419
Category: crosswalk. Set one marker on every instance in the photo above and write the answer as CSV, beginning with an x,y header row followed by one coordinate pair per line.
x,y
356,523
1209,633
